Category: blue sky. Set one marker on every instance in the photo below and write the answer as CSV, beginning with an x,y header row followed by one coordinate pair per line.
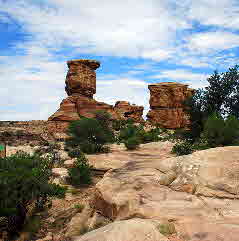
x,y
138,42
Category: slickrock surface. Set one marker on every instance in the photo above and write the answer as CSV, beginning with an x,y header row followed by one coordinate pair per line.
x,y
198,193
128,230
166,106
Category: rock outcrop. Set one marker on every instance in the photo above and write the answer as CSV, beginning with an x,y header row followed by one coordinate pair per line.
x,y
80,87
166,108
198,193
126,110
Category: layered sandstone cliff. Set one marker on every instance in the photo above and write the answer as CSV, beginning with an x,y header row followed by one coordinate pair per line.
x,y
80,87
166,108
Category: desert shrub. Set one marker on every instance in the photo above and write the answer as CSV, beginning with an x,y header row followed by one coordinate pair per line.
x,y
24,178
129,121
219,132
150,136
167,229
213,130
103,117
132,143
182,134
118,124
90,135
76,152
201,144
91,148
128,132
80,173
231,131
182,148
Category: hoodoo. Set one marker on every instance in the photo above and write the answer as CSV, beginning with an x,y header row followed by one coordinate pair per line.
x,y
166,108
81,87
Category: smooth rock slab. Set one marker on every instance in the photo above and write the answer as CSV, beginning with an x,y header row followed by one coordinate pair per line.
x,y
128,230
198,192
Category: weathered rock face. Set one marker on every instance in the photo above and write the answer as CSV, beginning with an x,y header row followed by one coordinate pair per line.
x,y
81,77
166,105
198,193
75,106
81,86
126,110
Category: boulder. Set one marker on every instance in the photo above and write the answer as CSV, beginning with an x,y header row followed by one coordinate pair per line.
x,y
128,230
197,192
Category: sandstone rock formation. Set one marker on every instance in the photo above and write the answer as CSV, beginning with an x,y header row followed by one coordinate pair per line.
x,y
80,87
81,77
198,193
126,110
166,108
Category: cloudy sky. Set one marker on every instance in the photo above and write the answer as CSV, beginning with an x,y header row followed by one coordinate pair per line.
x,y
137,42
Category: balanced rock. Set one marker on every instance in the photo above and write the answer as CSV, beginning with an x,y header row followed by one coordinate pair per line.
x,y
81,77
166,104
80,87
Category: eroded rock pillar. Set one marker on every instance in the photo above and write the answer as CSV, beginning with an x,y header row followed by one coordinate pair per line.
x,y
81,77
166,108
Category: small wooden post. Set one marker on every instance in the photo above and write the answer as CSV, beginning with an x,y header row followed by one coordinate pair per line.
x,y
3,150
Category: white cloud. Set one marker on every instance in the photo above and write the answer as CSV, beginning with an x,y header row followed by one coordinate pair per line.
x,y
223,13
56,30
213,41
106,26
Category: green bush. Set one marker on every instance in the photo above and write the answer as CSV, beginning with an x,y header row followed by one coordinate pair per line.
x,y
90,135
76,152
213,130
219,132
23,178
231,131
128,132
201,144
103,117
132,143
183,148
150,136
80,173
118,124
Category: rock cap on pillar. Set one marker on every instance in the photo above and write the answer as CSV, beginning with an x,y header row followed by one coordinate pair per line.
x,y
81,77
